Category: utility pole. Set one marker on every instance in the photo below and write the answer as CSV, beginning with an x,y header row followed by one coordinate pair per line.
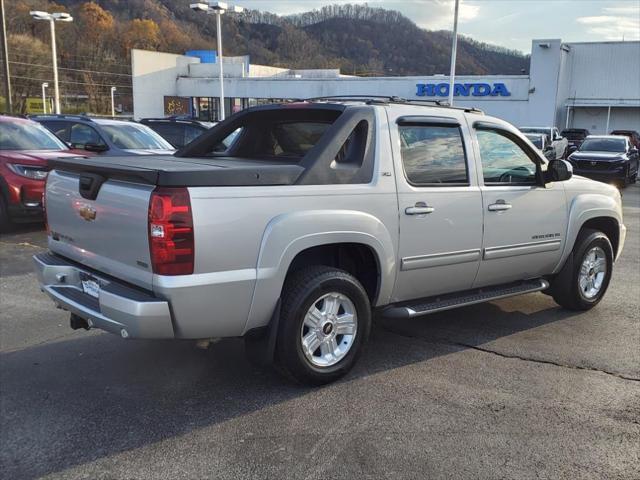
x,y
454,49
5,54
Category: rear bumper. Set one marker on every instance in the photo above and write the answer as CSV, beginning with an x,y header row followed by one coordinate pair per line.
x,y
120,309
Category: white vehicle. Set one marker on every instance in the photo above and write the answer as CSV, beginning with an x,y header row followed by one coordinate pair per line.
x,y
317,215
559,144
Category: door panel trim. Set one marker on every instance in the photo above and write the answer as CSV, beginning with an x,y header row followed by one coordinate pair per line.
x,y
493,253
440,259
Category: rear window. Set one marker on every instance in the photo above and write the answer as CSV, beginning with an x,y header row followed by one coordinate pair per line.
x,y
292,139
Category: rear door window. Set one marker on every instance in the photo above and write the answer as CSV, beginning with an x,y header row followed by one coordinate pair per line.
x,y
433,155
82,135
191,133
171,132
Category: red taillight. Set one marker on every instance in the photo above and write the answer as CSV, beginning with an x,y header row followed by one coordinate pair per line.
x,y
171,232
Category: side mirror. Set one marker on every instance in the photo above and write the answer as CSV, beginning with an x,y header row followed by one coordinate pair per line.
x,y
572,148
96,147
633,150
558,171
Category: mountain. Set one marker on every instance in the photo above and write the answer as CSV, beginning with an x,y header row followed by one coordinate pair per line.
x,y
358,39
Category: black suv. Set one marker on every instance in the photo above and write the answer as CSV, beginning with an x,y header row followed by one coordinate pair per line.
x,y
575,136
177,131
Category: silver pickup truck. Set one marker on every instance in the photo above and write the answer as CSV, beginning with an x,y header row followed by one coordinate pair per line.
x,y
315,217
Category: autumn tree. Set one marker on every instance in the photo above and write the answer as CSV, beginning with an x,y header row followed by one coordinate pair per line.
x,y
143,34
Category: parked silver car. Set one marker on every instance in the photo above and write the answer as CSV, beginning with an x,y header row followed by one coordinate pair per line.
x,y
318,215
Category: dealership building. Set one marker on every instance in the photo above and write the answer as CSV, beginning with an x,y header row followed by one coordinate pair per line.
x,y
570,85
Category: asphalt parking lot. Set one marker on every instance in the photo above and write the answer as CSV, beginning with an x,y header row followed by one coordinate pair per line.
x,y
517,388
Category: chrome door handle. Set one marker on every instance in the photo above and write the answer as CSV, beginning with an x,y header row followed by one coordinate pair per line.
x,y
420,208
499,206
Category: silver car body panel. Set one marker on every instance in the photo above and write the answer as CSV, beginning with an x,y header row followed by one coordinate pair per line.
x,y
115,241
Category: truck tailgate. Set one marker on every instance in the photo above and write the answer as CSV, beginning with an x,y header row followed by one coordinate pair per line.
x,y
108,234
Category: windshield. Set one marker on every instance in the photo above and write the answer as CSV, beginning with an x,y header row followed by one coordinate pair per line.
x,y
22,135
131,136
544,131
535,139
603,145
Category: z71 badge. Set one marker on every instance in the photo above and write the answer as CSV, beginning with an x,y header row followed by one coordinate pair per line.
x,y
544,236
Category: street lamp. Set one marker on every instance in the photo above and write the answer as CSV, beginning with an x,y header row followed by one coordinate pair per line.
x,y
217,9
52,18
113,105
45,85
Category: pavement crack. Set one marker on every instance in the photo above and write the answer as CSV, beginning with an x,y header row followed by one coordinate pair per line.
x,y
512,356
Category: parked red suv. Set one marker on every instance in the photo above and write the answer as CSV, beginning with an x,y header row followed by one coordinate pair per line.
x,y
25,147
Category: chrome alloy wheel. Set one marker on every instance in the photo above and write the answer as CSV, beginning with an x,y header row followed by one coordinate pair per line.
x,y
592,273
329,329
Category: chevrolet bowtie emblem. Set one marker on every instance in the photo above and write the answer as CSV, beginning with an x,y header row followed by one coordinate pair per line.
x,y
87,212
593,163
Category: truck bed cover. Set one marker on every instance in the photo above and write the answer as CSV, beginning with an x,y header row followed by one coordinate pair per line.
x,y
170,171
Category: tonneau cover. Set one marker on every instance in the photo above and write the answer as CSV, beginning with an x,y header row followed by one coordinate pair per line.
x,y
170,171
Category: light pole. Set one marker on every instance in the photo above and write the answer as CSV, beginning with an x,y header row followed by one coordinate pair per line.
x,y
44,97
217,9
5,63
52,18
113,104
454,48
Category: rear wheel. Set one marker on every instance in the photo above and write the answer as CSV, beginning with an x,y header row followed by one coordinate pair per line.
x,y
325,319
585,277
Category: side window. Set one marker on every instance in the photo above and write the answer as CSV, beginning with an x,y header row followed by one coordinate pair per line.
x,y
59,129
433,154
191,133
503,160
82,135
171,132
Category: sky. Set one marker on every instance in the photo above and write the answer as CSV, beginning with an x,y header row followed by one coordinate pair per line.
x,y
508,23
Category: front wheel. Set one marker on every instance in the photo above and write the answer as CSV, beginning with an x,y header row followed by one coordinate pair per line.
x,y
325,320
5,222
585,277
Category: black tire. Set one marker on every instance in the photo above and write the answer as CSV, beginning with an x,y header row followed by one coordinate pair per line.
x,y
302,289
5,222
565,287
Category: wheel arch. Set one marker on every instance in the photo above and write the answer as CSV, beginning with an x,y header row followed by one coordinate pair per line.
x,y
595,211
294,239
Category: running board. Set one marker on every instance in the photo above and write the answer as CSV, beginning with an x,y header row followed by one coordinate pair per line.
x,y
461,299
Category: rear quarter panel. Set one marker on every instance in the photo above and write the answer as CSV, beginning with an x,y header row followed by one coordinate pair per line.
x,y
246,238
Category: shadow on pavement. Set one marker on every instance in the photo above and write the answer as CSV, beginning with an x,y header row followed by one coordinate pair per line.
x,y
69,403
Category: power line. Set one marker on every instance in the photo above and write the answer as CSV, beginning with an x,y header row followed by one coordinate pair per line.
x,y
76,83
72,69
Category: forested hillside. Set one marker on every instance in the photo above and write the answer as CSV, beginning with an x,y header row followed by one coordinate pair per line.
x,y
94,49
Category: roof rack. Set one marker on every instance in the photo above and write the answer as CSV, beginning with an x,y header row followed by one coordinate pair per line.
x,y
61,115
386,99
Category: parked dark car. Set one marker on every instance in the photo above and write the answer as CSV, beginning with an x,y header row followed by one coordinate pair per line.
x,y
105,136
575,136
608,158
25,147
177,131
632,135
